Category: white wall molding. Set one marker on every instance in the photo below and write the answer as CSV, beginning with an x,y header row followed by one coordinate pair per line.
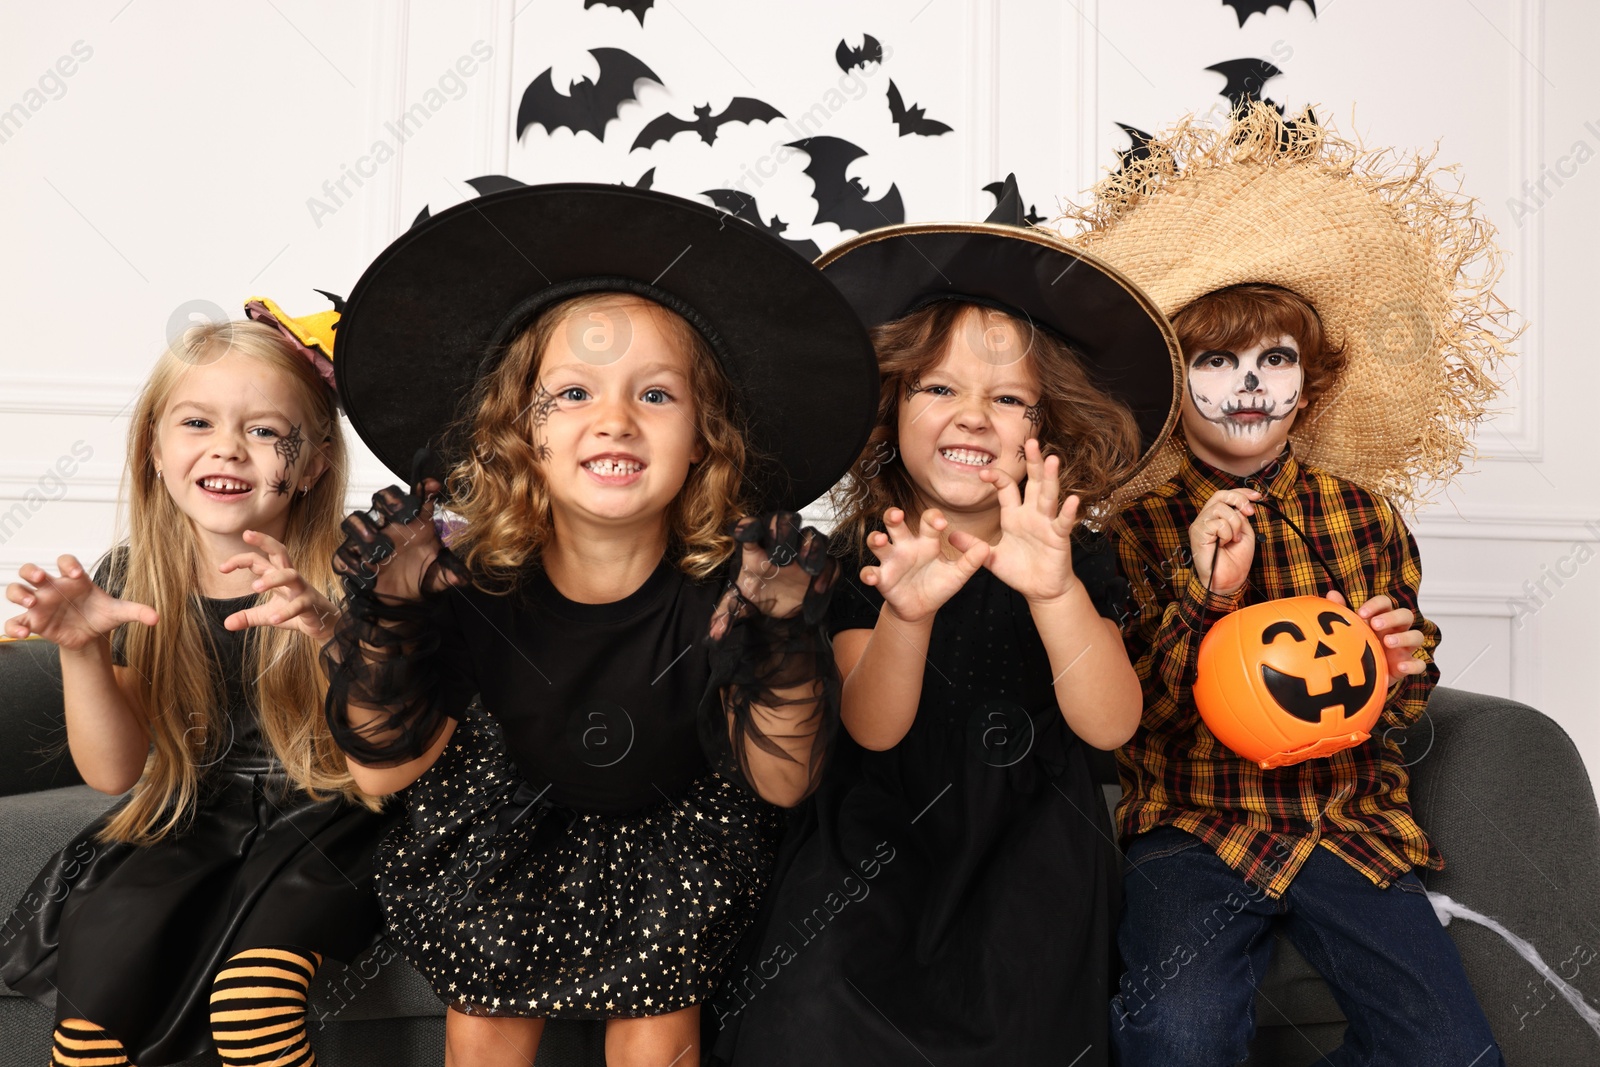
x,y
1494,600
494,132
67,396
983,102
386,102
1495,525
1519,435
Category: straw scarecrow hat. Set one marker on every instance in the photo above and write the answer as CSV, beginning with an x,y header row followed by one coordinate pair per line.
x,y
1400,269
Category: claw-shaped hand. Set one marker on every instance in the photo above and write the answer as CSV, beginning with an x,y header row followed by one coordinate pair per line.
x,y
393,548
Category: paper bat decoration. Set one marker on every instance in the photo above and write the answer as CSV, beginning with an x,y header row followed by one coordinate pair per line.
x,y
646,180
1245,8
335,300
910,119
588,105
1000,190
739,109
840,200
1138,147
869,52
483,185
743,206
1245,79
636,8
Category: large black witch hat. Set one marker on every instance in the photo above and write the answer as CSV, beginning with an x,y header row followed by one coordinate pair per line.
x,y
1127,346
434,311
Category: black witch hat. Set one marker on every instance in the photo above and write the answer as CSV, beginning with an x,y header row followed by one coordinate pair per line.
x,y
1126,345
433,313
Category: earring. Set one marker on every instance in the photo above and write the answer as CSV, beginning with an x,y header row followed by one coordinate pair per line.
x,y
304,489
158,474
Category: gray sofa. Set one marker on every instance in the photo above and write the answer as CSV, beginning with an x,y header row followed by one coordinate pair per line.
x,y
1499,786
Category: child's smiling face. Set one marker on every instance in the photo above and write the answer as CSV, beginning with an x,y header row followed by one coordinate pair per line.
x,y
612,417
232,447
970,411
1240,405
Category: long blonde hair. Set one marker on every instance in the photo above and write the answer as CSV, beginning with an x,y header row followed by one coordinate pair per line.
x,y
500,493
183,704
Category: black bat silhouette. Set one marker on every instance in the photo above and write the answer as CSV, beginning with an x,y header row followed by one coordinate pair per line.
x,y
998,191
742,205
483,185
1138,146
1245,79
739,109
1245,8
588,105
840,200
646,180
910,119
636,8
335,300
869,52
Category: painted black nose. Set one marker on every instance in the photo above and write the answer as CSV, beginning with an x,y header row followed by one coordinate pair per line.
x,y
1322,650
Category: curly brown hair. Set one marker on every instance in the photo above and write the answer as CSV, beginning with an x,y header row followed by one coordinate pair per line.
x,y
1242,316
1094,435
497,487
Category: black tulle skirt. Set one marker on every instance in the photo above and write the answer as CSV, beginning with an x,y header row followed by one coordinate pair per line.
x,y
130,937
510,905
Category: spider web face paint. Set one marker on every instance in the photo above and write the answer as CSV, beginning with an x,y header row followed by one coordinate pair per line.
x,y
544,402
1243,395
288,447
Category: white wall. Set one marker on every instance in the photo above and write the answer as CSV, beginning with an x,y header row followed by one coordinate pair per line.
x,y
184,159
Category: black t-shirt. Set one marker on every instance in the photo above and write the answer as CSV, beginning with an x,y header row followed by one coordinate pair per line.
x,y
230,648
599,701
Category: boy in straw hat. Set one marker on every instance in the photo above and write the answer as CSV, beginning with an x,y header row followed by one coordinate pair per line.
x,y
1339,335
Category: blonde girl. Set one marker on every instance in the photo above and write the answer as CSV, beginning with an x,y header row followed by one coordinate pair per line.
x,y
239,857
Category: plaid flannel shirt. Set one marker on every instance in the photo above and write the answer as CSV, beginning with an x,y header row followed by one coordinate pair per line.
x,y
1174,772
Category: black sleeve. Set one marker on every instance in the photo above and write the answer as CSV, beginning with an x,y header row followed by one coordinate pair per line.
x,y
1094,561
855,605
111,575
406,661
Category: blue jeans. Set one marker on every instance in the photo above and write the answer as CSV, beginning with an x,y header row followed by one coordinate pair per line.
x,y
1196,939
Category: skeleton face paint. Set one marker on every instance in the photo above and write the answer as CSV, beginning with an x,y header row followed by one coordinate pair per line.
x,y
1244,393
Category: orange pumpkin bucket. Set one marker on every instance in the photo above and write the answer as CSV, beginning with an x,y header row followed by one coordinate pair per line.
x,y
1290,680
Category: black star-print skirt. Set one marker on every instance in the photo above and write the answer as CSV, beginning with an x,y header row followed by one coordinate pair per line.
x,y
509,905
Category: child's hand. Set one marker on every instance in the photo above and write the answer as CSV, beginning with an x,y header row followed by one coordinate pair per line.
x,y
295,605
392,548
784,570
1222,542
1393,627
1034,555
912,573
69,610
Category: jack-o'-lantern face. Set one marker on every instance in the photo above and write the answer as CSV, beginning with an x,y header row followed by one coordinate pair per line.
x,y
1291,679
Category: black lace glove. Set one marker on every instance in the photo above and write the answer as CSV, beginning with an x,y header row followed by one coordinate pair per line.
x,y
766,635
383,658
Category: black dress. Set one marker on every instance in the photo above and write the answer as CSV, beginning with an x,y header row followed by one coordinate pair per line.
x,y
573,853
949,900
130,937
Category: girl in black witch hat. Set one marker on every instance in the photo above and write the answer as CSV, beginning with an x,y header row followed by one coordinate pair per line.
x,y
948,897
591,838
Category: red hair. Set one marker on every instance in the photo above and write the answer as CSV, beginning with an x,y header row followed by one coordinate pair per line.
x,y
1243,316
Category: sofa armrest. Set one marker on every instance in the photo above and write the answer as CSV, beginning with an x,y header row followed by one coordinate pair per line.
x,y
34,827
1503,793
33,736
